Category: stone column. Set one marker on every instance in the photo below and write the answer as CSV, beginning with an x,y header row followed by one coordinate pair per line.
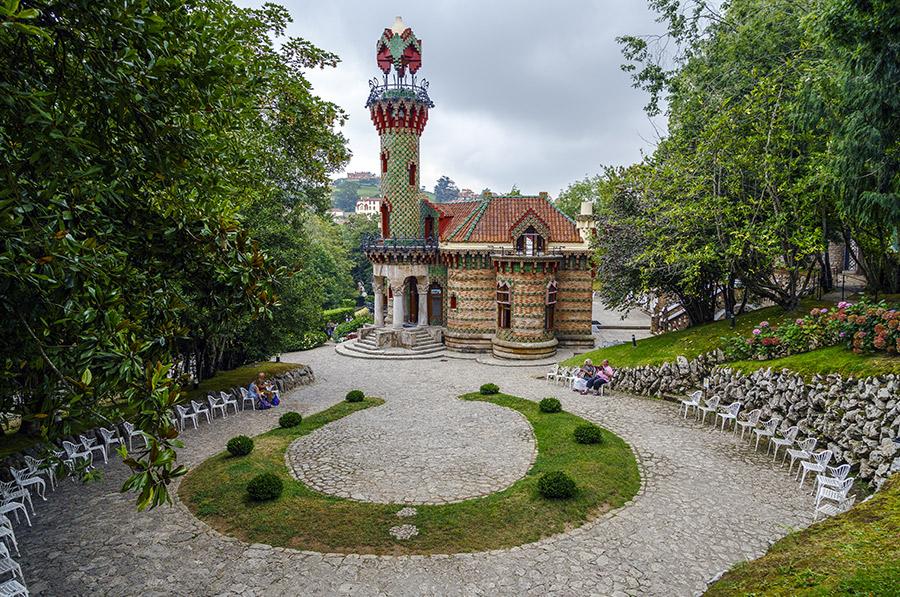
x,y
397,289
378,292
422,285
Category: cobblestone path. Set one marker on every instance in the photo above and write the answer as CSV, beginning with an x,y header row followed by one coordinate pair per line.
x,y
707,502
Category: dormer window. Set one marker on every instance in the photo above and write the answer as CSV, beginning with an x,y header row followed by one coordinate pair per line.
x,y
530,243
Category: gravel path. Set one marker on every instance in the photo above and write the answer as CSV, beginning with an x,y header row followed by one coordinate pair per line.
x,y
707,501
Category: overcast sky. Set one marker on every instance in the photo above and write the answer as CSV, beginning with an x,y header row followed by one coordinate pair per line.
x,y
525,93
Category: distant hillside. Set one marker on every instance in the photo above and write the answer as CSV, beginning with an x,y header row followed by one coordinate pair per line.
x,y
345,192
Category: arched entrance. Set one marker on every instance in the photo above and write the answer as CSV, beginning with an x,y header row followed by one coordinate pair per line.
x,y
411,298
435,304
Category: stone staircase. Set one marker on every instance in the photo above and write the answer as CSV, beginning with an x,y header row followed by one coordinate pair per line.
x,y
422,347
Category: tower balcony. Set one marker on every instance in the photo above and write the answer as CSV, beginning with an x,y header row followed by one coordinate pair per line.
x,y
400,250
401,89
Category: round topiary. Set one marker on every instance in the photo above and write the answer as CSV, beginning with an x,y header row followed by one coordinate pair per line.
x,y
556,485
588,434
550,405
240,445
290,419
489,388
355,396
265,486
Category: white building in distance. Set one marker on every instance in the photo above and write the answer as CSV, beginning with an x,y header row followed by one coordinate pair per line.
x,y
368,206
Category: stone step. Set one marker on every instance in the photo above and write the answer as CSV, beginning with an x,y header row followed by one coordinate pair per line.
x,y
421,349
346,349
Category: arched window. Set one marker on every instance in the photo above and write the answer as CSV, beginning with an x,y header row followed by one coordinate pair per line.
x,y
503,306
383,162
412,175
550,306
429,227
530,243
385,220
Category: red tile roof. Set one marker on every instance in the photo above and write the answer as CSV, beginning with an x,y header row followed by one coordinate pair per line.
x,y
491,219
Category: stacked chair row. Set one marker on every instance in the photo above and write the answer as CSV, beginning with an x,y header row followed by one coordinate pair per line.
x,y
832,484
16,495
566,376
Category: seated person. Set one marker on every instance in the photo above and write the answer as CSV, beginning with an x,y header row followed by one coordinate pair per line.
x,y
585,375
260,391
604,375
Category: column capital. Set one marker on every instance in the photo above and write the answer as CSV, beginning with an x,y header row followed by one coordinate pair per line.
x,y
377,284
397,286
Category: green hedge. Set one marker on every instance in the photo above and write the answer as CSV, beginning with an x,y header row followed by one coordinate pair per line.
x,y
351,326
338,315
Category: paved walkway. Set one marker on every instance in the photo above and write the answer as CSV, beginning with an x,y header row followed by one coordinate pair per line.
x,y
707,502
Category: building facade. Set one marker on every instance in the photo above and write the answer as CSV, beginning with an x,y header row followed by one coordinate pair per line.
x,y
509,275
368,206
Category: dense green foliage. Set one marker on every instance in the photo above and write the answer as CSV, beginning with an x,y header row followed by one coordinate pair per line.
x,y
550,405
556,485
290,419
240,445
158,162
265,487
588,434
348,327
488,389
783,123
606,475
355,396
854,553
445,190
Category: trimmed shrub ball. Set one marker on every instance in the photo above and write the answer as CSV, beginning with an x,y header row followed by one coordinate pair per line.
x,y
290,419
550,405
265,486
489,388
355,396
556,485
588,434
240,445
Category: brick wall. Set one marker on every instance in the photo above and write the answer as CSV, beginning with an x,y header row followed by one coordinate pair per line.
x,y
573,307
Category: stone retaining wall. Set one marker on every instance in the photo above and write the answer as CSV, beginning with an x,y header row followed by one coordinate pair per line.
x,y
285,382
858,419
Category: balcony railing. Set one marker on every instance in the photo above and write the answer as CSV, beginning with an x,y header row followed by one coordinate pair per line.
x,y
506,252
376,243
398,89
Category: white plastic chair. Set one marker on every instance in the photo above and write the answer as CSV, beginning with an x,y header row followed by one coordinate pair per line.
x,y
36,467
787,440
185,414
817,465
228,400
131,432
751,422
77,452
13,500
833,500
801,452
832,477
90,444
768,430
13,588
7,534
26,480
215,405
567,376
7,564
692,402
711,406
200,409
246,397
730,413
110,438
553,373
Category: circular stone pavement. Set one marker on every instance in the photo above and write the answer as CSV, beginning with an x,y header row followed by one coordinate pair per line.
x,y
411,453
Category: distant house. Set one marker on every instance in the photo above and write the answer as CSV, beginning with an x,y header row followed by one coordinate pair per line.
x,y
467,194
359,176
368,206
338,215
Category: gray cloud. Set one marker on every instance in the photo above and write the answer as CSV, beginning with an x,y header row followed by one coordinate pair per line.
x,y
526,93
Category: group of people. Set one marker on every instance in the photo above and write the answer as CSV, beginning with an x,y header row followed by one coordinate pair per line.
x,y
263,392
591,377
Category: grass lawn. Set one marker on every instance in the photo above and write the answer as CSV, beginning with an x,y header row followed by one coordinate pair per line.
x,y
690,342
834,359
242,376
606,474
855,553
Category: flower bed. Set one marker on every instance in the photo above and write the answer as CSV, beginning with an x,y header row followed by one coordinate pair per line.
x,y
863,327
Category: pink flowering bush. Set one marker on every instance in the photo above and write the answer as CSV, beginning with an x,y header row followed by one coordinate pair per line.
x,y
863,327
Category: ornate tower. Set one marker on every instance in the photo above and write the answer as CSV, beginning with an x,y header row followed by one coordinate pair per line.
x,y
399,107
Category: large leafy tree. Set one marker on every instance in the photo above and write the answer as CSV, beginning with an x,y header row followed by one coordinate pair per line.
x,y
445,190
133,138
